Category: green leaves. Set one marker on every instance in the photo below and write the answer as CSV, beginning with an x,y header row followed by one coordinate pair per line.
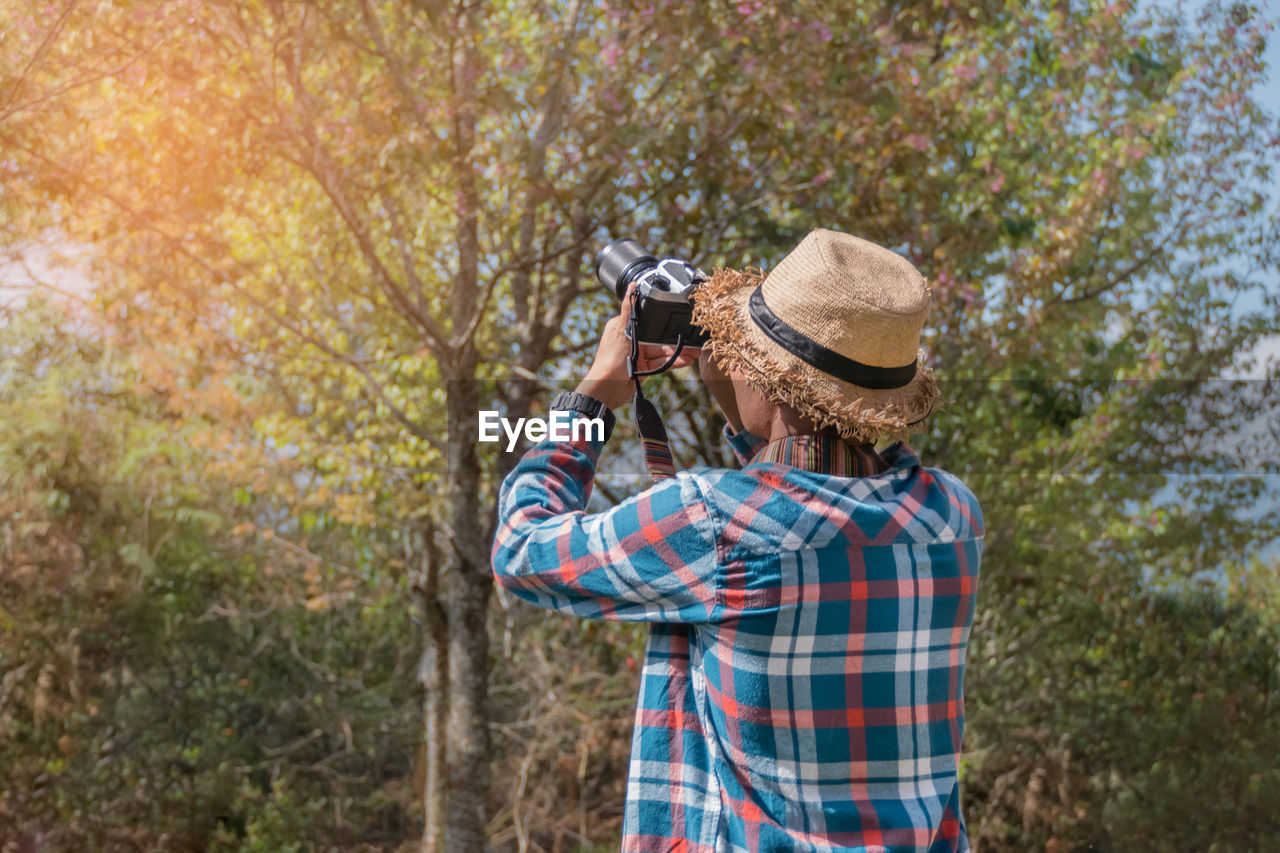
x,y
157,663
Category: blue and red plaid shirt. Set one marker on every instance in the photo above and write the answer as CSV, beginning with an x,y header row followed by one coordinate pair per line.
x,y
803,686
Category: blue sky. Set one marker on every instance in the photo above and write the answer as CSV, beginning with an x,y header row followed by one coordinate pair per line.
x,y
1267,93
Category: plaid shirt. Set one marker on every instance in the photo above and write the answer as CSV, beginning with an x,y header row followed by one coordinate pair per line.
x,y
803,686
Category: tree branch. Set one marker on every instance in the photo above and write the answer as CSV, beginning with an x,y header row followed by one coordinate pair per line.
x,y
327,173
176,246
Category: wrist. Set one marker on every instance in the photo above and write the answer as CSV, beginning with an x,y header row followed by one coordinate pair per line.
x,y
611,391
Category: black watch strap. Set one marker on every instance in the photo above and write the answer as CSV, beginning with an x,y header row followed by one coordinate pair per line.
x,y
572,401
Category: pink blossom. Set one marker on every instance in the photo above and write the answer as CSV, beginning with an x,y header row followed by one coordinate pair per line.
x,y
611,52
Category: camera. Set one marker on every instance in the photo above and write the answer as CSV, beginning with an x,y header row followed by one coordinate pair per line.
x,y
662,313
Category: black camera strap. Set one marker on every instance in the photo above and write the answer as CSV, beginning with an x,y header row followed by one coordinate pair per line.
x,y
653,433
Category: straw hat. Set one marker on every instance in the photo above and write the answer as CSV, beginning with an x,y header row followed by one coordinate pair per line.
x,y
833,331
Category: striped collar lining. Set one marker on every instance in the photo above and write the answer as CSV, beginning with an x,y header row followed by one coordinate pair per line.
x,y
824,454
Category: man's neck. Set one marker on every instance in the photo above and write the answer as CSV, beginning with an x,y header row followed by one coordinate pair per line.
x,y
786,424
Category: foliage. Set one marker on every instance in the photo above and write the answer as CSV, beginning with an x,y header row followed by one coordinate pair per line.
x,y
367,213
1158,700
172,680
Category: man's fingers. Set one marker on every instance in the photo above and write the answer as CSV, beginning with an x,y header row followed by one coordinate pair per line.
x,y
655,356
625,314
687,356
665,351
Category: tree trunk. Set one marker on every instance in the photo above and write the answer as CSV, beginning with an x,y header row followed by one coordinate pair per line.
x,y
468,583
423,558
468,580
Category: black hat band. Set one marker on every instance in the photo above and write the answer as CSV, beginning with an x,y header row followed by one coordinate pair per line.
x,y
828,361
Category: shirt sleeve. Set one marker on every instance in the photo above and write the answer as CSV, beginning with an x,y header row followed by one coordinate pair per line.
x,y
743,444
651,558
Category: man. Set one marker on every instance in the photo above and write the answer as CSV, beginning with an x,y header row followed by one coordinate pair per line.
x,y
803,683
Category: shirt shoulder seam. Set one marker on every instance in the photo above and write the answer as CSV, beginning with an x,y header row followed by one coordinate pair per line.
x,y
716,543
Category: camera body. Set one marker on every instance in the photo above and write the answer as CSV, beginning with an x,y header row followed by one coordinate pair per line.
x,y
662,313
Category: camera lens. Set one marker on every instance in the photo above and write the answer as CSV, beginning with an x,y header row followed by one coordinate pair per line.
x,y
620,262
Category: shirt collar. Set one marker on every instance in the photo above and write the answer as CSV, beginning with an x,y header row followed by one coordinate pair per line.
x,y
828,454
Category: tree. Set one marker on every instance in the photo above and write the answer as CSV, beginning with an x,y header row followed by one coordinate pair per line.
x,y
181,668
380,209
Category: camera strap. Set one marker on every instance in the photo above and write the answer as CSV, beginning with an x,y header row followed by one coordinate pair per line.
x,y
653,438
653,433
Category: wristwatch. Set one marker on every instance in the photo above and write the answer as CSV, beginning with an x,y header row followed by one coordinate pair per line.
x,y
572,401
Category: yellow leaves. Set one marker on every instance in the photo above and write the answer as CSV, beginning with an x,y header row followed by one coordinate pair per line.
x,y
354,509
415,138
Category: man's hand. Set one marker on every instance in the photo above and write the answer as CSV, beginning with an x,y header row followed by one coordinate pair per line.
x,y
607,380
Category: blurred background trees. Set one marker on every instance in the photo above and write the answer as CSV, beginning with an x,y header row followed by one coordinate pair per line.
x,y
194,657
246,597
